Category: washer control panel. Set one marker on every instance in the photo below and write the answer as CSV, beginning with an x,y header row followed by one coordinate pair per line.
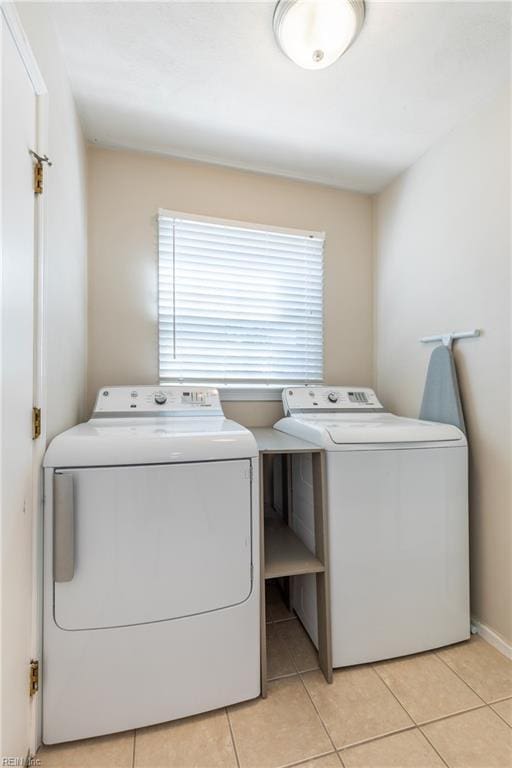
x,y
168,399
333,399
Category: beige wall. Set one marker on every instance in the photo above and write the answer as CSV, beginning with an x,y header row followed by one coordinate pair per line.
x,y
442,261
125,191
66,232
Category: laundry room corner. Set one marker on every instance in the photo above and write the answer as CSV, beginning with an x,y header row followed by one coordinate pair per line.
x,y
256,384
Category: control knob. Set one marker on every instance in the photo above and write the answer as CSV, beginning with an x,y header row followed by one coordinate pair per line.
x,y
160,398
332,397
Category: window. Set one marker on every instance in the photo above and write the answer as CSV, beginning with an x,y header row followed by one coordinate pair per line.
x,y
239,304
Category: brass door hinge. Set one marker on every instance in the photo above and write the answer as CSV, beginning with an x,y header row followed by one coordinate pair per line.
x,y
38,171
36,423
34,677
38,177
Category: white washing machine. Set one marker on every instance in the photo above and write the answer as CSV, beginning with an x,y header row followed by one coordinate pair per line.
x,y
151,573
397,494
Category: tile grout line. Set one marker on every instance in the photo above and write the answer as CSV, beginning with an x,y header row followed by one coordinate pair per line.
x,y
363,741
374,667
459,676
425,736
232,737
452,714
298,671
298,674
371,738
498,701
310,669
409,715
317,712
415,725
485,703
307,760
387,736
133,750
420,723
497,713
290,656
438,719
380,736
282,677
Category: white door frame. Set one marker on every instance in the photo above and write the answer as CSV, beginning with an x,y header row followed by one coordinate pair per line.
x,y
11,18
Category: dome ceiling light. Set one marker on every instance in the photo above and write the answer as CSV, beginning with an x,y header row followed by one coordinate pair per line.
x,y
315,33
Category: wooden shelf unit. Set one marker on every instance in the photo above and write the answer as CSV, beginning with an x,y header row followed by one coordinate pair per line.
x,y
285,554
282,553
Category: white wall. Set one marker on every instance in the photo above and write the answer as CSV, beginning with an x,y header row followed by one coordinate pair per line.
x,y
125,191
66,231
442,261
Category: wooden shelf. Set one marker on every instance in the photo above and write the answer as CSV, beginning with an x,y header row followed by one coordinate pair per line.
x,y
285,554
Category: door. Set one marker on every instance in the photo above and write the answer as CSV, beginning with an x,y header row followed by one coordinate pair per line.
x,y
18,274
134,545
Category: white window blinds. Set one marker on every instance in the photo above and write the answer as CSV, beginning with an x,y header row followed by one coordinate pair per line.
x,y
238,303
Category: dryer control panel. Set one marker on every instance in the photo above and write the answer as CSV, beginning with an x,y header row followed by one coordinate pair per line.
x,y
168,399
309,399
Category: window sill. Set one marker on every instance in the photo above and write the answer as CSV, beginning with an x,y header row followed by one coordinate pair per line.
x,y
233,393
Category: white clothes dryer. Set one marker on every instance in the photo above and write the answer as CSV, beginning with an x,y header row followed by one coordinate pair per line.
x,y
397,498
151,564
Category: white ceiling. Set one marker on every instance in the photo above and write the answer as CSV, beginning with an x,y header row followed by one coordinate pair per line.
x,y
207,81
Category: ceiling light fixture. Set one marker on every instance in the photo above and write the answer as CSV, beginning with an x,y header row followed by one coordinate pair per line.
x,y
315,33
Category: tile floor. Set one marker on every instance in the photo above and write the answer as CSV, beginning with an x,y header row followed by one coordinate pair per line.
x,y
449,708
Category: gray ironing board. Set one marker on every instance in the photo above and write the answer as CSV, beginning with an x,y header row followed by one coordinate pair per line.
x,y
441,396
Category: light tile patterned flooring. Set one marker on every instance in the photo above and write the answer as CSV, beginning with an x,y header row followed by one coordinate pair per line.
x,y
449,708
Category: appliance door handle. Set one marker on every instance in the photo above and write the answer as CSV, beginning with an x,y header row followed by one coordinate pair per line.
x,y
63,527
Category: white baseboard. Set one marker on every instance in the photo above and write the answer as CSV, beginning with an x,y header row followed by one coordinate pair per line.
x,y
492,638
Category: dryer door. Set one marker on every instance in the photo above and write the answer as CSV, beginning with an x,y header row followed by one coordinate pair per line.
x,y
150,543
